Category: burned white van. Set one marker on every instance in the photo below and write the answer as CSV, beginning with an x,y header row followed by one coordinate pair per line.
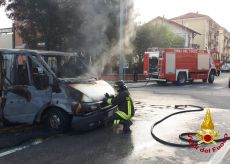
x,y
49,87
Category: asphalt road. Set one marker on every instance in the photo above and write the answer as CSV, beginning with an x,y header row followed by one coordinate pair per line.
x,y
152,102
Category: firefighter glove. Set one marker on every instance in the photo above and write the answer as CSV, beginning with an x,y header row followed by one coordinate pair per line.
x,y
105,100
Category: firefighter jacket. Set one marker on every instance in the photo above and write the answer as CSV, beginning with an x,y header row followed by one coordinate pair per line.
x,y
124,103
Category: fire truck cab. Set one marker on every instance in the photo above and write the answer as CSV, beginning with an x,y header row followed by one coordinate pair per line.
x,y
217,60
179,65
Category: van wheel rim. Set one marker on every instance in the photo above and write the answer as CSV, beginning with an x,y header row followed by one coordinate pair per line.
x,y
55,122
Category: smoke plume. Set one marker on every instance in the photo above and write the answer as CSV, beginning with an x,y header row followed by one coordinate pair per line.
x,y
100,43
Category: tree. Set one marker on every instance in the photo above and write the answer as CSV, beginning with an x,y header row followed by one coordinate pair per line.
x,y
150,35
66,23
89,26
45,21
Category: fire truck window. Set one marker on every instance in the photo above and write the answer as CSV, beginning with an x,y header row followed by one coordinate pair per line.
x,y
21,76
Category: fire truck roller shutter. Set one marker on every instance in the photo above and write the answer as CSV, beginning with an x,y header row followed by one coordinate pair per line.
x,y
181,76
170,63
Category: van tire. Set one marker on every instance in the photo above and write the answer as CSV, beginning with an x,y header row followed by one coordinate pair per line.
x,y
57,120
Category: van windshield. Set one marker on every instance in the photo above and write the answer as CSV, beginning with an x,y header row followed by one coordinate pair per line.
x,y
66,66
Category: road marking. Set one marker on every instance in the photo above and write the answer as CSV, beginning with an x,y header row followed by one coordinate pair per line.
x,y
20,148
220,154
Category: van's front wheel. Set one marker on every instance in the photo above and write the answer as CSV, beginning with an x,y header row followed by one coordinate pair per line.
x,y
57,120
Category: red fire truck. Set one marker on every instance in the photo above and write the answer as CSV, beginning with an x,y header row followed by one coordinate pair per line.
x,y
179,65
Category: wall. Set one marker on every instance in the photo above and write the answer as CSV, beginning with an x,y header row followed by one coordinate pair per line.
x,y
200,25
6,41
128,77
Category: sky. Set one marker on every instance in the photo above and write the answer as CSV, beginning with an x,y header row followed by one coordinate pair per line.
x,y
218,10
4,21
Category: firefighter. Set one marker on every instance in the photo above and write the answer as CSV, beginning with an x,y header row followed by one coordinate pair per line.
x,y
135,72
125,106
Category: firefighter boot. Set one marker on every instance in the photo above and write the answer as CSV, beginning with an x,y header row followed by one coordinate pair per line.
x,y
126,125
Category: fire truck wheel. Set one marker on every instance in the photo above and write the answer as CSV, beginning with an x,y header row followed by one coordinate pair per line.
x,y
191,81
211,77
229,83
204,80
181,78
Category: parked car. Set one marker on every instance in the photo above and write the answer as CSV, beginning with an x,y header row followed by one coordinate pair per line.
x,y
229,82
225,67
50,87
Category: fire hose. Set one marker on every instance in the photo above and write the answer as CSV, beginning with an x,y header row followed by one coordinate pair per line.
x,y
142,85
182,135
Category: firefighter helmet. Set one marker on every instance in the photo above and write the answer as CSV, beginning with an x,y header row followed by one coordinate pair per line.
x,y
119,85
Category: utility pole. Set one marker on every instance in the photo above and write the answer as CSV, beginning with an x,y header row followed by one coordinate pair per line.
x,y
122,31
13,36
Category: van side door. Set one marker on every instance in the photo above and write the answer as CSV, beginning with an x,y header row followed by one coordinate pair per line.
x,y
29,92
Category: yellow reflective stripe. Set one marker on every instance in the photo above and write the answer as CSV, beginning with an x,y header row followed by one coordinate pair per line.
x,y
116,122
122,115
109,101
129,108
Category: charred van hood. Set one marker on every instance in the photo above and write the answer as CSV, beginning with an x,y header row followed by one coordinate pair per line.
x,y
95,89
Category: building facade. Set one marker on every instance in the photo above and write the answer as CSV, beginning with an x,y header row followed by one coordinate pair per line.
x,y
6,38
178,29
224,44
213,36
10,38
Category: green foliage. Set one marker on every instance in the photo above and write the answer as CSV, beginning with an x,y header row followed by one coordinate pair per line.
x,y
150,35
42,21
155,36
65,24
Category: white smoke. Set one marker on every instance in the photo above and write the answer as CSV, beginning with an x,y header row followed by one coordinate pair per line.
x,y
95,24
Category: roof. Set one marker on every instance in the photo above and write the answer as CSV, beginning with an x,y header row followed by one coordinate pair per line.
x,y
193,15
190,15
177,24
